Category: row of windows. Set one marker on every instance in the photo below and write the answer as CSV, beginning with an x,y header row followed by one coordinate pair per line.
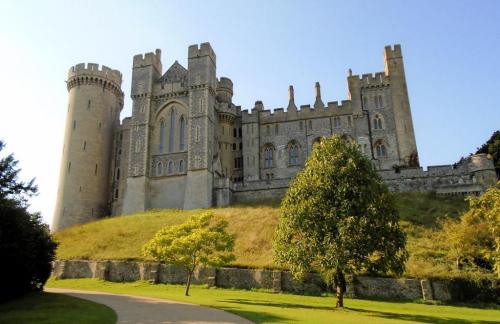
x,y
335,124
377,101
168,168
293,152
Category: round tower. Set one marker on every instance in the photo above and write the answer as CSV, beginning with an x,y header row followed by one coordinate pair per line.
x,y
94,105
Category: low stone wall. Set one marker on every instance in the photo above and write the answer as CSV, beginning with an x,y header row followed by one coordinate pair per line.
x,y
276,280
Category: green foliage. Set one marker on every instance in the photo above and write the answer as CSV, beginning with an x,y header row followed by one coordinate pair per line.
x,y
476,236
475,289
202,240
26,247
338,217
492,147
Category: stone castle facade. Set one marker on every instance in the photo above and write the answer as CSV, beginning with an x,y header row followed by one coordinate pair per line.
x,y
187,145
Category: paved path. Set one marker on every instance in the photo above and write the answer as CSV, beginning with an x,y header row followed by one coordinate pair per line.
x,y
133,309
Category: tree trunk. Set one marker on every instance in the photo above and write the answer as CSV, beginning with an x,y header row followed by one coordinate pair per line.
x,y
339,280
189,280
458,263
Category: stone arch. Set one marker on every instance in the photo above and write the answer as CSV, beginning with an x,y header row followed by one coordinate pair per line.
x,y
174,114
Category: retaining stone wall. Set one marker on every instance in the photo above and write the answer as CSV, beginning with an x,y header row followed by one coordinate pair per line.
x,y
276,280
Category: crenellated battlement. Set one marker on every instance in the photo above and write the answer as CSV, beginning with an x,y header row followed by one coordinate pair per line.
x,y
91,74
378,79
333,108
393,51
150,58
204,49
94,70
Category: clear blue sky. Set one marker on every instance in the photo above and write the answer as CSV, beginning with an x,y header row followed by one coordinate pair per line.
x,y
451,51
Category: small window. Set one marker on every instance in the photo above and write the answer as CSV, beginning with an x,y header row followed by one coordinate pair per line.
x,y
197,134
365,102
239,132
380,102
293,153
241,146
95,169
349,121
181,166
301,125
116,193
69,168
268,130
118,174
234,146
377,122
170,169
277,129
88,105
99,126
268,157
336,122
159,169
310,124
381,150
235,132
84,145
74,124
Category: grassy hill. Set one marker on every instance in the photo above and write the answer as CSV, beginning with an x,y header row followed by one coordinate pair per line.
x,y
121,238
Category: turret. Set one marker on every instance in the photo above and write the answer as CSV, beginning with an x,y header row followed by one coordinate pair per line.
x,y
225,90
95,100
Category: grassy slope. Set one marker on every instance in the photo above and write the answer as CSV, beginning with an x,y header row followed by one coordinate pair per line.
x,y
121,238
53,308
266,307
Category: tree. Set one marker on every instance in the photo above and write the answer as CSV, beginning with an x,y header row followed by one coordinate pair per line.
x,y
492,147
477,233
26,246
202,240
338,218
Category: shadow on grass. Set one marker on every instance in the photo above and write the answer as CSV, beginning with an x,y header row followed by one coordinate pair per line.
x,y
255,316
416,318
385,315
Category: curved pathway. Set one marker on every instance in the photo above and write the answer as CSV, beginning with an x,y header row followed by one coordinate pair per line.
x,y
134,309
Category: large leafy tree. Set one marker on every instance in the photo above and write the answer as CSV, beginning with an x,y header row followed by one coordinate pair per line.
x,y
26,246
202,240
476,235
338,218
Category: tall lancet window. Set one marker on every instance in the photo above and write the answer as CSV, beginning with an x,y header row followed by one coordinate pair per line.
x,y
182,134
171,139
162,135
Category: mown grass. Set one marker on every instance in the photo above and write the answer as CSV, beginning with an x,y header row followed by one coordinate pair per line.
x,y
42,307
267,307
121,238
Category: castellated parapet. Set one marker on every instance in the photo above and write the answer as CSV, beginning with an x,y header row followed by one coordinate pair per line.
x,y
187,145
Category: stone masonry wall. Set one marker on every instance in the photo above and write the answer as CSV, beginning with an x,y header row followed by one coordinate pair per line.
x,y
276,280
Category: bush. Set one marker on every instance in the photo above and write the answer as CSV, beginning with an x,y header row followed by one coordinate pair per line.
x,y
26,250
26,247
470,289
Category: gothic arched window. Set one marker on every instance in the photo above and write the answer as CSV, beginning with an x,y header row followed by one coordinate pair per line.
x,y
172,131
170,168
293,153
182,134
268,156
162,135
159,168
380,149
181,166
377,122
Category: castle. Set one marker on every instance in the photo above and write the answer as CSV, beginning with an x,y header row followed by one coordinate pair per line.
x,y
187,145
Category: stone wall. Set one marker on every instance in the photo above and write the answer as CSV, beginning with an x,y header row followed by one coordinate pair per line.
x,y
276,280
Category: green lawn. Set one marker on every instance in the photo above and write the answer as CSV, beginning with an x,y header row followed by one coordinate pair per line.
x,y
267,307
42,307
